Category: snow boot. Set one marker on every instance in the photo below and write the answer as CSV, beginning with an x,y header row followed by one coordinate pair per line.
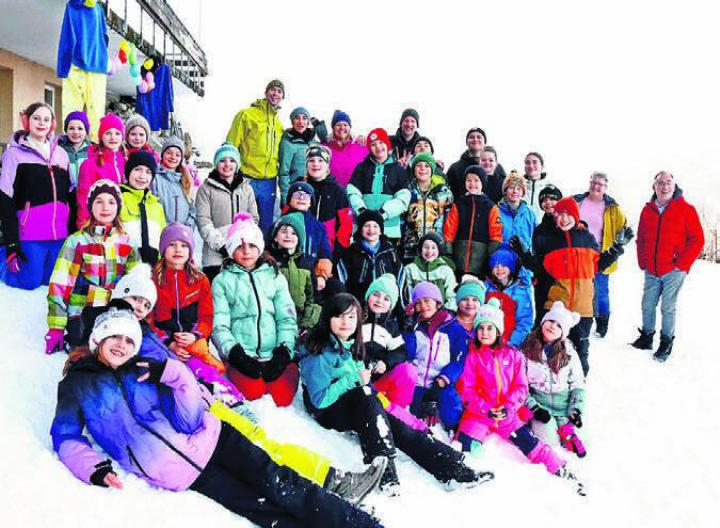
x,y
389,483
570,440
601,325
644,341
565,473
465,477
354,487
663,351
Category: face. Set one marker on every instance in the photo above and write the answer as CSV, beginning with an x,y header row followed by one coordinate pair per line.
x,y
664,187
564,221
488,162
300,201
475,142
408,126
533,166
551,331
140,177
136,137
274,95
345,324
422,146
598,186
423,172
287,238
317,168
76,132
300,123
141,306
548,205
426,308
468,306
379,302
370,232
429,251
171,158
501,273
473,184
514,193
177,254
112,139
341,131
487,333
227,168
246,255
114,351
379,150
104,209
40,122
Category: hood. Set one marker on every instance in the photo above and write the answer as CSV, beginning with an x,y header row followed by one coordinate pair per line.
x,y
214,177
19,141
262,267
64,141
329,180
436,180
294,136
400,139
169,175
425,266
263,105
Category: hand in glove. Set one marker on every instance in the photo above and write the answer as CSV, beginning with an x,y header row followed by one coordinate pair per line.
x,y
248,366
105,477
430,412
14,257
497,414
54,340
149,255
625,235
576,418
541,414
152,369
274,368
522,250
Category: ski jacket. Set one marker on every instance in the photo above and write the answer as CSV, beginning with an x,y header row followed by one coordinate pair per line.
x,y
101,164
400,146
439,272
253,309
88,267
216,204
520,222
162,433
167,186
83,39
75,157
317,244
428,348
330,374
673,239
331,207
142,216
344,159
560,393
520,293
33,192
256,132
613,221
357,266
292,158
381,344
427,212
298,270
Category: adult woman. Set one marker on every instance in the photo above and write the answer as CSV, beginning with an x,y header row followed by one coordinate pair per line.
x,y
346,151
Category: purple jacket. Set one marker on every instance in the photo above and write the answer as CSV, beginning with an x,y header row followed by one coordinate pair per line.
x,y
163,433
34,192
344,160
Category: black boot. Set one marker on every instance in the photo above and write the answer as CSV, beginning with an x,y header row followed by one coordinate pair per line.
x,y
663,351
645,341
466,477
389,483
353,487
601,325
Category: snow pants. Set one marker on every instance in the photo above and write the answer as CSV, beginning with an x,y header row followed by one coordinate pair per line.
x,y
663,289
41,256
398,384
242,477
85,90
601,301
282,389
265,195
580,337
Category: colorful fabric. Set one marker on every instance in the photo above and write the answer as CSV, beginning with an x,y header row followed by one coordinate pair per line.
x,y
102,164
157,104
143,217
83,89
256,132
83,40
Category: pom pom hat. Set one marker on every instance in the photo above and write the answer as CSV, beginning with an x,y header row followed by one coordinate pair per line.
x,y
491,313
137,283
562,316
244,230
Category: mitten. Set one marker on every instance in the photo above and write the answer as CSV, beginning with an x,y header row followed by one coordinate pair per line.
x,y
248,366
274,368
101,471
154,368
570,440
576,418
625,235
149,255
54,340
498,414
541,414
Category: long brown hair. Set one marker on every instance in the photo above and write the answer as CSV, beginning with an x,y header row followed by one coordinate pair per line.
x,y
192,271
75,355
320,336
100,149
533,347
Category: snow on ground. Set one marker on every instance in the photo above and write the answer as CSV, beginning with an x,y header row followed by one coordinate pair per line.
x,y
650,432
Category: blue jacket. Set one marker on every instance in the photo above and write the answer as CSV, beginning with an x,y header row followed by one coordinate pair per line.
x,y
519,291
521,222
83,39
167,186
157,105
330,374
317,243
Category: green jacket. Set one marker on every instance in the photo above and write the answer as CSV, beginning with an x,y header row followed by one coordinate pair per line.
x,y
256,132
441,272
253,309
132,220
302,292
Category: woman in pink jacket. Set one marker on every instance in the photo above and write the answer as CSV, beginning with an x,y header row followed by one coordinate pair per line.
x,y
493,388
346,152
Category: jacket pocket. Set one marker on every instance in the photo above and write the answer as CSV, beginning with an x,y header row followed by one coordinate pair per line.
x,y
135,461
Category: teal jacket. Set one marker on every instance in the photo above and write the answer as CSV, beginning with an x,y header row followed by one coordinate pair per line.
x,y
253,309
292,156
329,375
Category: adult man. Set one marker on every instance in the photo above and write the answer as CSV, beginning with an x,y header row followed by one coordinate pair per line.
x,y
256,131
475,140
669,240
405,137
604,219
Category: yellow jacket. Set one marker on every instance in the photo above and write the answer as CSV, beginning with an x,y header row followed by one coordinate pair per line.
x,y
613,221
256,131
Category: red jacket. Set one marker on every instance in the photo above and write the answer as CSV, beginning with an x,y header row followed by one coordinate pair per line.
x,y
673,239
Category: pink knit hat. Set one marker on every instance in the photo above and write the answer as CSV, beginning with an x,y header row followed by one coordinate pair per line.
x,y
244,229
110,121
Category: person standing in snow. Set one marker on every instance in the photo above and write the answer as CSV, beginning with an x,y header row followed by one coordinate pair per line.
x,y
347,151
496,176
537,180
670,239
405,137
475,140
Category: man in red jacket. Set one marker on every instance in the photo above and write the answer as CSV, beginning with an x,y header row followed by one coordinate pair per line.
x,y
669,240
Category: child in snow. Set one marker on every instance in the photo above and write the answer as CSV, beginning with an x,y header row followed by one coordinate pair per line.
x,y
287,239
495,173
161,431
505,283
431,266
142,213
173,184
223,194
255,325
137,136
537,180
517,217
473,226
494,387
337,394
556,380
106,161
89,265
347,151
34,200
76,143
369,256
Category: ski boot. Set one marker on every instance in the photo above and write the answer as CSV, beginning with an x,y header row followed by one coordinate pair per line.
x,y
601,325
663,351
354,487
465,477
390,483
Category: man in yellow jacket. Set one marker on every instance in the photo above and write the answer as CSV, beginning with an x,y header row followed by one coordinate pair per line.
x,y
256,132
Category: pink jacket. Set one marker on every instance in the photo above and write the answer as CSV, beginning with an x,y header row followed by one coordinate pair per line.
x,y
492,378
113,169
344,160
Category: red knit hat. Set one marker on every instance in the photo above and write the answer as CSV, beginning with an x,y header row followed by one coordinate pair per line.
x,y
568,205
378,134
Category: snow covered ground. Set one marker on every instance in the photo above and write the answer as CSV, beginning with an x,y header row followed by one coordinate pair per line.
x,y
651,432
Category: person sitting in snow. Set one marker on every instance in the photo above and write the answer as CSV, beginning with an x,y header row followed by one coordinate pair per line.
x,y
432,266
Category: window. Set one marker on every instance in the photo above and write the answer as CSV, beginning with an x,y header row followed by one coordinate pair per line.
x,y
49,96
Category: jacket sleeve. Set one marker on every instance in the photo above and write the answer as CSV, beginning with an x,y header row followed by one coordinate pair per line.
x,y
357,202
187,413
518,390
324,249
236,133
205,309
495,226
472,392
322,132
524,316
322,388
8,212
285,316
694,240
345,225
450,281
212,236
311,311
62,283
398,204
640,240
221,333
451,224
286,158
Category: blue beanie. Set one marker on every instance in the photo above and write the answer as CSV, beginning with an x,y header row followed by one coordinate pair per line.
x,y
299,111
339,115
301,186
226,150
505,256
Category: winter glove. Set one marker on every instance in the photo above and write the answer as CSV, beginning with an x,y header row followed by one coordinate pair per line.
x,y
314,121
15,255
248,366
152,367
54,340
522,250
541,414
497,414
430,412
570,440
625,235
576,418
101,471
274,368
149,255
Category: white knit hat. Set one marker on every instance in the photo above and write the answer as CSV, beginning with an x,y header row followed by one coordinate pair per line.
x,y
491,313
138,283
562,316
115,322
244,229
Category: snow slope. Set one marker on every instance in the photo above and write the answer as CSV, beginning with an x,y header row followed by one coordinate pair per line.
x,y
649,432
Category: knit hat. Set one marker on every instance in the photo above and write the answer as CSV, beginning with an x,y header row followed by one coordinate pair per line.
x,y
338,116
423,138
477,169
244,229
314,151
434,237
476,129
412,113
387,284
294,220
299,111
78,116
378,134
137,120
427,158
115,322
104,186
549,191
426,290
570,206
226,150
140,158
173,232
562,316
366,216
514,178
136,283
472,287
505,256
170,142
277,84
108,122
300,185
491,313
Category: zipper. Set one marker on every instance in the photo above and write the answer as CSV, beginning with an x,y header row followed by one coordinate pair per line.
x,y
54,189
498,378
177,303
257,298
135,461
657,238
569,265
470,234
317,212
